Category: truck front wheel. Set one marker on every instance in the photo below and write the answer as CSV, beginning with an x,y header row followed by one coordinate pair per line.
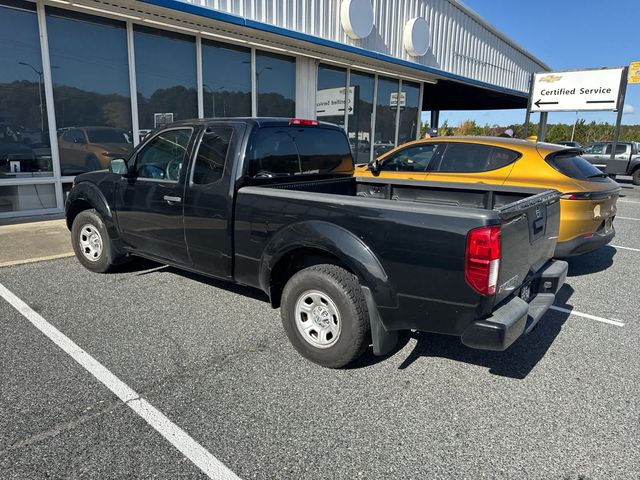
x,y
91,243
636,176
325,315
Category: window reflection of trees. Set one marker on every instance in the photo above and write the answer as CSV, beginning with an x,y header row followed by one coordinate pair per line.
x,y
24,135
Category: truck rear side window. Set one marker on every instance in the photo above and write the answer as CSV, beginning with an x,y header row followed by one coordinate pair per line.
x,y
283,151
573,166
212,155
620,148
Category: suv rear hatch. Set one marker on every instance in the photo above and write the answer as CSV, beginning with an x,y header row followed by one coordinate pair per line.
x,y
598,193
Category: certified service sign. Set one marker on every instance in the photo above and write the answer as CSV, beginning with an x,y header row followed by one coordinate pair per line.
x,y
634,73
576,90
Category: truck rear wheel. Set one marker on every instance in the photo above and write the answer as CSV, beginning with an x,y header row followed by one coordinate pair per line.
x,y
636,176
325,315
91,243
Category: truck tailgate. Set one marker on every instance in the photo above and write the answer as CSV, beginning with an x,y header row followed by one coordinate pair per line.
x,y
528,239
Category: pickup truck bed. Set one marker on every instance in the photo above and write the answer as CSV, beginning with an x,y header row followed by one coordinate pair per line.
x,y
272,204
417,226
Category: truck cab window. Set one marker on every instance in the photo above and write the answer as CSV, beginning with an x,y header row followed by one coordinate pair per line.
x,y
163,156
298,151
276,154
212,155
411,159
620,148
595,149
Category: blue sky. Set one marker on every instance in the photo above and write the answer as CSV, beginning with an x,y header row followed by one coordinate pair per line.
x,y
565,34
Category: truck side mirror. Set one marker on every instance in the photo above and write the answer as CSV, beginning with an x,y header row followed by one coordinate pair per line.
x,y
118,166
374,166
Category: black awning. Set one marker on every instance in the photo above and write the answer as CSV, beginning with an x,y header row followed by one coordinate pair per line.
x,y
448,95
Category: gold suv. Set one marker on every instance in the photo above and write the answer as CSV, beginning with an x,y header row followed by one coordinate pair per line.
x,y
588,203
84,149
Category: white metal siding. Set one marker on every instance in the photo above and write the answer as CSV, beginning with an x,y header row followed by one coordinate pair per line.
x,y
460,44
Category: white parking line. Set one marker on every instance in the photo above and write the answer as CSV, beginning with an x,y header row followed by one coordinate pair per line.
x,y
181,440
627,201
14,263
626,248
627,218
617,323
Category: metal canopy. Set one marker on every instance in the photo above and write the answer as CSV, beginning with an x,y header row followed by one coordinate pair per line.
x,y
448,95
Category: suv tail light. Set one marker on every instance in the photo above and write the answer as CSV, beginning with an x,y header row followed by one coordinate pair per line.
x,y
482,259
575,196
303,121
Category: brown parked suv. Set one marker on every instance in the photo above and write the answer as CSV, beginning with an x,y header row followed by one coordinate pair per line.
x,y
83,149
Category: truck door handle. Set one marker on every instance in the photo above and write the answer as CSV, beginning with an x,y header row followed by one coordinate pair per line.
x,y
538,225
172,200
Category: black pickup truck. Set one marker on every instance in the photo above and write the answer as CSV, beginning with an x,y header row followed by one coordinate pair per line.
x,y
273,204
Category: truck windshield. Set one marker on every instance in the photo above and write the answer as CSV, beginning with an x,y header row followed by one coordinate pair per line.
x,y
288,150
574,166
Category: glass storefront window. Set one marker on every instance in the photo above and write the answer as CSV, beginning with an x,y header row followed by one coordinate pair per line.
x,y
276,85
385,129
360,120
330,95
407,130
24,131
226,78
165,76
90,71
16,198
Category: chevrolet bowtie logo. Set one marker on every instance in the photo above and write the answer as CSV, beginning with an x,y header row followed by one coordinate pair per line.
x,y
550,78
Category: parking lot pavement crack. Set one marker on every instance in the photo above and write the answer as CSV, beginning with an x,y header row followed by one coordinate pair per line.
x,y
61,428
182,376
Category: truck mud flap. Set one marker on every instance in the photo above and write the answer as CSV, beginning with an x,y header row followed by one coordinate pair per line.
x,y
383,340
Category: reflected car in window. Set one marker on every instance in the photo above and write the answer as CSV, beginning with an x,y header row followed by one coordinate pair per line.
x,y
83,149
21,154
588,203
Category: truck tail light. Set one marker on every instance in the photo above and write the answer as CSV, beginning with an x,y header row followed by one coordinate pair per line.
x,y
303,121
482,259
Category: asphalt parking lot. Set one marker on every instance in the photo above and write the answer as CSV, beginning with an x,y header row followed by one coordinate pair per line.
x,y
560,403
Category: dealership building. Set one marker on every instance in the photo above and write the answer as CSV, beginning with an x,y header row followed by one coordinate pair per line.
x,y
84,81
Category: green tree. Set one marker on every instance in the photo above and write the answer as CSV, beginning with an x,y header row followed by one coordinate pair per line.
x,y
468,127
424,128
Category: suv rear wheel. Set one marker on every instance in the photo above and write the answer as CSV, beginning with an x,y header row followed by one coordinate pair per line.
x,y
325,316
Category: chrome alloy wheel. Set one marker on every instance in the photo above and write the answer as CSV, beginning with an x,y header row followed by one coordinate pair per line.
x,y
318,319
91,242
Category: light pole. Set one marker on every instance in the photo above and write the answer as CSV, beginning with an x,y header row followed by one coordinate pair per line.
x,y
40,82
260,72
213,98
258,77
40,74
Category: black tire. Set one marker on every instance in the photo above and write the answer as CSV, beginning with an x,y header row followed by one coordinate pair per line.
x,y
108,257
343,289
635,176
92,163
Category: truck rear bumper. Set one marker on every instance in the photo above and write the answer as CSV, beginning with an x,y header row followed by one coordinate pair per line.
x,y
517,317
